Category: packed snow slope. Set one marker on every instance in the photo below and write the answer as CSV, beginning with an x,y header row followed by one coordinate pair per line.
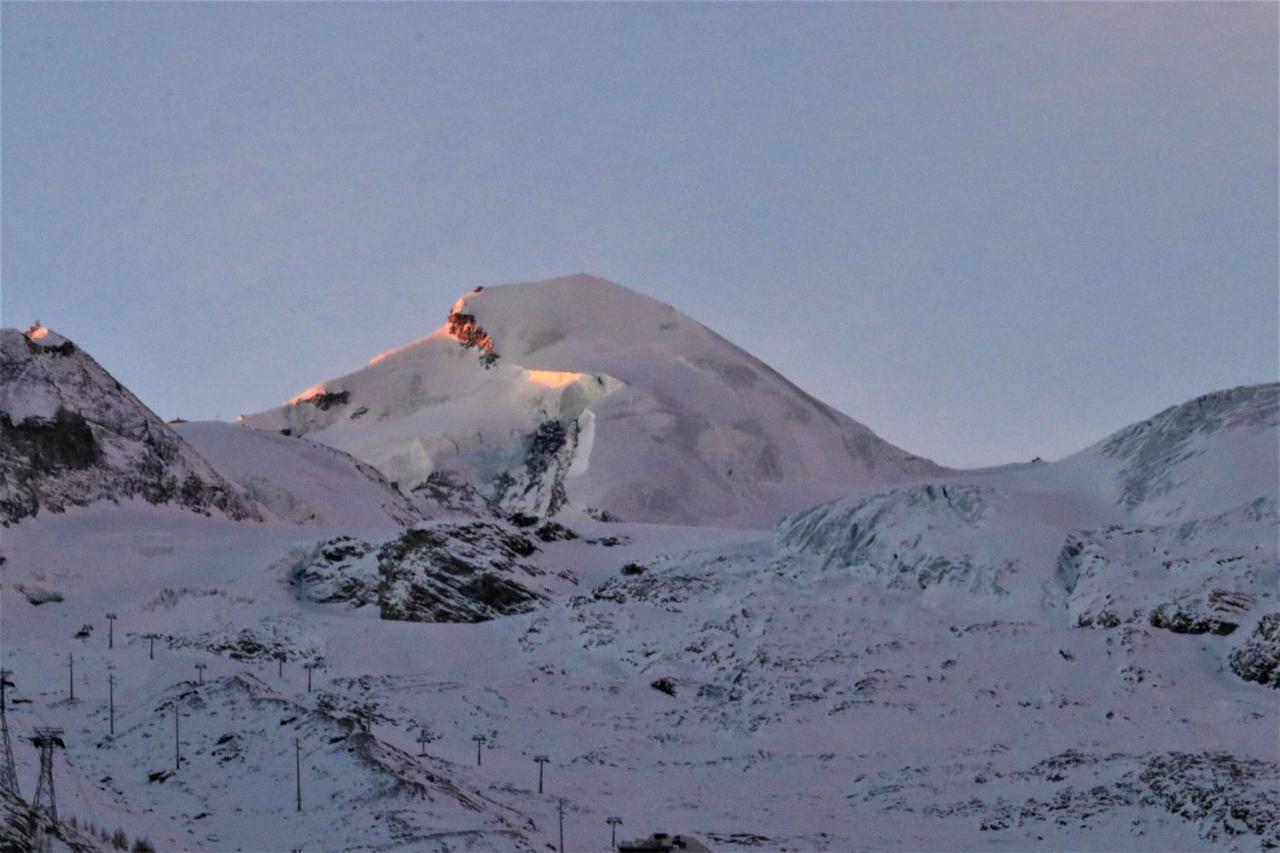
x,y
576,395
70,435
298,480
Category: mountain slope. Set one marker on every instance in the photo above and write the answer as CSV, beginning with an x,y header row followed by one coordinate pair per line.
x,y
70,435
298,480
1197,459
579,394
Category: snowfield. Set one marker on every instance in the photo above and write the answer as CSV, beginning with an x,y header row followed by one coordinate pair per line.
x,y
1079,655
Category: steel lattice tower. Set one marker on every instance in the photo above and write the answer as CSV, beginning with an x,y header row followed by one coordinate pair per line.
x,y
8,772
46,740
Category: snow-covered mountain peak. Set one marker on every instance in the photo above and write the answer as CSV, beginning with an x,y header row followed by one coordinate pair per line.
x,y
42,336
71,435
579,394
1200,458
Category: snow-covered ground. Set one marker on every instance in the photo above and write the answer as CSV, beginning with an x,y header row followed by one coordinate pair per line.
x,y
1077,655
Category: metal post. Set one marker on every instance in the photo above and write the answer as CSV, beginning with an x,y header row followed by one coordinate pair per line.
x,y
71,676
280,668
479,739
111,699
561,804
308,667
542,760
423,740
111,630
200,668
8,771
613,831
177,744
297,768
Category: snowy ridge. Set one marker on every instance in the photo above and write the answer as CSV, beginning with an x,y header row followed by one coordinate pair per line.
x,y
70,435
300,481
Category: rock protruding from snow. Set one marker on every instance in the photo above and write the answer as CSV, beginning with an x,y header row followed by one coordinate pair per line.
x,y
1198,576
1258,658
656,418
71,435
436,572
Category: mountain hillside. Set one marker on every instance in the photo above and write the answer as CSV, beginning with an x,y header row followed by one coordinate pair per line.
x,y
1200,458
578,395
300,481
70,435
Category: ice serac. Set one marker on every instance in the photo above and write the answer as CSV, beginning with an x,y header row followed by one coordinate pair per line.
x,y
578,395
71,435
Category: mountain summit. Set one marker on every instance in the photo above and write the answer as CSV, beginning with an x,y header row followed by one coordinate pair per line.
x,y
578,395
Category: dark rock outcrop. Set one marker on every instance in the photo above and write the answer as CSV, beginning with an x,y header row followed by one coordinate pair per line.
x,y
1258,658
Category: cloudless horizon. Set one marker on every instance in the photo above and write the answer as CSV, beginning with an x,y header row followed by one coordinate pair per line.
x,y
989,232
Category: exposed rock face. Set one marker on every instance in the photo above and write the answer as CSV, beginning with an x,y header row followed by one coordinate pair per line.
x,y
1218,613
1258,658
468,332
457,573
341,570
1193,577
445,493
70,435
437,572
537,486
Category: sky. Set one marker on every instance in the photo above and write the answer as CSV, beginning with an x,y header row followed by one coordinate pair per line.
x,y
988,231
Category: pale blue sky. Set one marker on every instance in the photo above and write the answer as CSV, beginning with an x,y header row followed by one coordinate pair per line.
x,y
987,231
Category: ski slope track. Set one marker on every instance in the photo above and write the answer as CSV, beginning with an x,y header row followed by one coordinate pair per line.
x,y
392,594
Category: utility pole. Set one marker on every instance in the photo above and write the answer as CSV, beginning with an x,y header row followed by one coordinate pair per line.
x,y
8,771
152,637
542,760
45,740
177,741
479,739
71,676
424,738
200,668
280,662
111,630
308,667
561,809
297,769
613,831
111,698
